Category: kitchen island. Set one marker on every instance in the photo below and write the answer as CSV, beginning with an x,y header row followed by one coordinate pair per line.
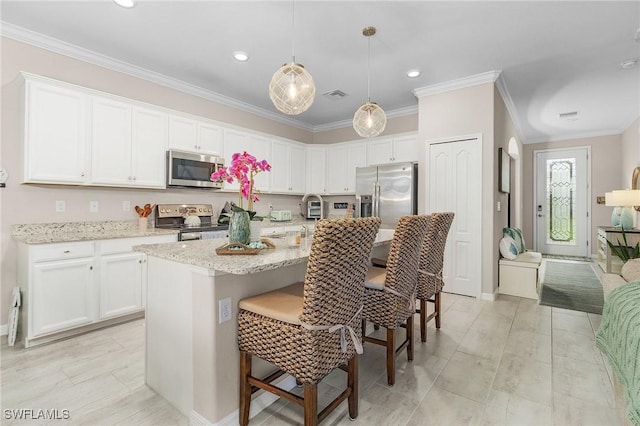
x,y
191,349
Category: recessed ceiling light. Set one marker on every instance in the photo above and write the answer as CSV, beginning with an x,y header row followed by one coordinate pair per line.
x,y
125,3
413,73
241,56
629,63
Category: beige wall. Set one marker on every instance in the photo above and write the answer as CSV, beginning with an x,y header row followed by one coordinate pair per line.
x,y
606,157
457,113
408,123
630,140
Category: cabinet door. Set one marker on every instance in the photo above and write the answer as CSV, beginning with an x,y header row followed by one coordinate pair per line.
x,y
149,148
280,167
316,170
380,152
297,180
110,142
55,134
183,133
406,149
62,294
120,284
209,139
337,170
260,147
234,141
356,157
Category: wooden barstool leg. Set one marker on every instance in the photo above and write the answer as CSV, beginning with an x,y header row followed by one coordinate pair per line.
x,y
245,388
410,337
437,310
391,358
352,383
423,320
310,404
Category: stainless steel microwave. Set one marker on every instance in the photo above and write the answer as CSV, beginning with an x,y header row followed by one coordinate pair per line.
x,y
191,169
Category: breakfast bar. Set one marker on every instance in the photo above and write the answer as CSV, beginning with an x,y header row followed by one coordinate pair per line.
x,y
192,299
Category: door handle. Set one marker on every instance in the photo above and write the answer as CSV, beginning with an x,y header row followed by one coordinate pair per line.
x,y
540,215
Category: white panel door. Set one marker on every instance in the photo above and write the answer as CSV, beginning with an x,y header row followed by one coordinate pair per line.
x,y
380,152
356,157
149,148
316,170
337,170
260,147
455,184
209,139
120,284
183,133
234,141
297,169
110,142
406,149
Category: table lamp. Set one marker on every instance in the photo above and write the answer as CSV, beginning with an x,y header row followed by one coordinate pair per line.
x,y
623,200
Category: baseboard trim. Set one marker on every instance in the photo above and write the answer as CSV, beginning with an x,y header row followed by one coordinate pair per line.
x,y
4,329
491,297
258,404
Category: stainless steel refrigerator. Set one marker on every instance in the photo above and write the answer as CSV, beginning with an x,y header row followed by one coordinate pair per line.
x,y
387,191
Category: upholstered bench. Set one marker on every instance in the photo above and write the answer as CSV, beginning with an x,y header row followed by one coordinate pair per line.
x,y
518,268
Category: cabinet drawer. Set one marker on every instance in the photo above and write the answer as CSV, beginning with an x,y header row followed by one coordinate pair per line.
x,y
62,251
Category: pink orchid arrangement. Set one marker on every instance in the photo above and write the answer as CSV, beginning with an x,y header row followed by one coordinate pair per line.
x,y
243,169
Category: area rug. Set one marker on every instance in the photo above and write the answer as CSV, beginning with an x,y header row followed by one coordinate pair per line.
x,y
571,285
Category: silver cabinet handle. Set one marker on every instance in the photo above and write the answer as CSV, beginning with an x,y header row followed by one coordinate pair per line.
x,y
67,251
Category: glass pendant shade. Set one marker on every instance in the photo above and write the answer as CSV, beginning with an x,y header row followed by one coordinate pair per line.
x,y
369,120
292,90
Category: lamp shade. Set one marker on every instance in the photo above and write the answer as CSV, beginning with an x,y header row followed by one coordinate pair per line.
x,y
622,198
369,120
292,90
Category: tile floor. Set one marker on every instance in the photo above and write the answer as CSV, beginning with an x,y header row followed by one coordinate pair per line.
x,y
508,362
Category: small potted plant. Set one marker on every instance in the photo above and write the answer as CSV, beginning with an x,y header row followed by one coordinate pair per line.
x,y
243,169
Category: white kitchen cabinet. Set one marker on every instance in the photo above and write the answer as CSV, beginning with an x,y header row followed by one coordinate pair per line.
x,y
61,287
260,147
55,141
233,141
68,287
288,168
393,150
193,135
341,167
128,145
316,172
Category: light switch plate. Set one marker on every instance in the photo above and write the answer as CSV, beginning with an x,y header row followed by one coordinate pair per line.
x,y
126,206
61,206
93,206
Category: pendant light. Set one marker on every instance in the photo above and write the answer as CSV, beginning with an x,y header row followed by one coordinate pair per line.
x,y
369,120
292,90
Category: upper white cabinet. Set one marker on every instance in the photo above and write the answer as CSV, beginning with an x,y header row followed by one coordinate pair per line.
x,y
393,150
342,161
288,168
316,169
236,141
192,135
55,134
127,145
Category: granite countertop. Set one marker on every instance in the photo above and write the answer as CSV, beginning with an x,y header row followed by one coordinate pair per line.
x,y
45,233
202,253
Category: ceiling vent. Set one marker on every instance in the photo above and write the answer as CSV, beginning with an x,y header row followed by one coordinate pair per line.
x,y
568,116
334,95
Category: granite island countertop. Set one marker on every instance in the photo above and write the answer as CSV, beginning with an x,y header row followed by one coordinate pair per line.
x,y
202,253
46,233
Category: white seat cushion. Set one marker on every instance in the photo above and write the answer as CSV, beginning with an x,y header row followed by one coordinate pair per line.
x,y
283,304
528,257
375,278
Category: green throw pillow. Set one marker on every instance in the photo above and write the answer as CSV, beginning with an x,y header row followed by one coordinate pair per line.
x,y
516,234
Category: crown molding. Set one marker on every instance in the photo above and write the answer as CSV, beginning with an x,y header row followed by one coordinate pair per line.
x,y
57,46
572,136
460,83
400,112
508,102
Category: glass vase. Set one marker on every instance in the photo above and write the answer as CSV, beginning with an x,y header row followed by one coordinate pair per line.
x,y
239,229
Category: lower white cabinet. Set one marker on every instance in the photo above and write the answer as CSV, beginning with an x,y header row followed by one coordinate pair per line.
x,y
66,286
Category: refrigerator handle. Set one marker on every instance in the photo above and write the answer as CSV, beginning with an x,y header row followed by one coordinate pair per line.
x,y
376,199
358,206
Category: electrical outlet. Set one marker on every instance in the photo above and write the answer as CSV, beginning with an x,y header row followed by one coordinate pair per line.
x,y
93,206
224,310
270,206
126,206
61,206
499,206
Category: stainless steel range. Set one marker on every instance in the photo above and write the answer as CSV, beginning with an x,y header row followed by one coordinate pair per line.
x,y
193,220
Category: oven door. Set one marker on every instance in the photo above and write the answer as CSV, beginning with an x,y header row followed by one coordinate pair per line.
x,y
187,169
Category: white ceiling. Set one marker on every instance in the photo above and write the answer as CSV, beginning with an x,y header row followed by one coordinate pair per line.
x,y
555,56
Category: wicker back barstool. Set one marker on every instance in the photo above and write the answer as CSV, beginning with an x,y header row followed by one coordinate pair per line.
x,y
430,270
309,329
390,294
